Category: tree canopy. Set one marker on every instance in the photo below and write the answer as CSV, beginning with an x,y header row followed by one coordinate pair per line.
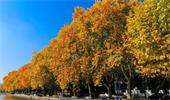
x,y
112,40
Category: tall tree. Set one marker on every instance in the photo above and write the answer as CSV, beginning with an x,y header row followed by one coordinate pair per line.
x,y
66,53
41,77
10,82
101,29
149,37
24,76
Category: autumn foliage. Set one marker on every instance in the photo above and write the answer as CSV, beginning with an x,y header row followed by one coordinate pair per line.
x,y
112,40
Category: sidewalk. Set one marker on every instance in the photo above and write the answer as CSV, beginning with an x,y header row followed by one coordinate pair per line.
x,y
31,97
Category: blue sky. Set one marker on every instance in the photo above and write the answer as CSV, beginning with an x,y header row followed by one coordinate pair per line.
x,y
28,25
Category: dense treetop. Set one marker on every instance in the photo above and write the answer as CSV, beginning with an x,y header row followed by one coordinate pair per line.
x,y
108,40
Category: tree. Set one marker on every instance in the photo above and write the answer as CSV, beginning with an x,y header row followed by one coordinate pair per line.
x,y
149,37
101,29
10,82
41,77
1,88
24,76
66,53
111,38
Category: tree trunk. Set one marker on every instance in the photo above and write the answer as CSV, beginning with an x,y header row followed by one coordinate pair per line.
x,y
89,88
129,97
108,90
74,90
62,92
161,83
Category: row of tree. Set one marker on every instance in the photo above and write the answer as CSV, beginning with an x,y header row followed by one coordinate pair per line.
x,y
112,41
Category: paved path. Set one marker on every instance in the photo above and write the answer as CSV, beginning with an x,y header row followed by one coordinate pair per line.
x,y
25,97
